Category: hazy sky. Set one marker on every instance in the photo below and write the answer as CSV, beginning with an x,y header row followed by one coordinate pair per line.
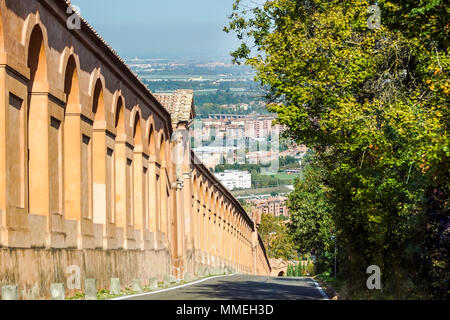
x,y
160,28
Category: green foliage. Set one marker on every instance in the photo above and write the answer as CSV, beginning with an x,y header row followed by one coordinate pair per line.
x,y
310,211
276,238
290,271
373,105
298,270
310,269
238,166
219,103
79,295
288,160
266,181
301,269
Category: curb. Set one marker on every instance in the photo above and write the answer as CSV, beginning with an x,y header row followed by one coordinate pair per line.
x,y
322,292
329,290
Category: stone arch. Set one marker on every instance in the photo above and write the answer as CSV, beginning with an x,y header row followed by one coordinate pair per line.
x,y
216,201
117,96
119,116
101,177
221,208
37,56
97,85
95,77
225,211
162,149
194,185
31,26
137,127
151,138
200,190
203,192
98,102
165,187
37,122
72,86
210,197
72,137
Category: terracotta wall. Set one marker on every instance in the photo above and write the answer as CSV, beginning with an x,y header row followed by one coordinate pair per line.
x,y
85,166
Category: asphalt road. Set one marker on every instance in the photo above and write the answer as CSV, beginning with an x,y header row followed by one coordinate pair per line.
x,y
241,287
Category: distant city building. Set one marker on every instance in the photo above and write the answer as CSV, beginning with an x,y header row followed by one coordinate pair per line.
x,y
261,127
235,179
245,138
276,206
261,157
293,171
211,156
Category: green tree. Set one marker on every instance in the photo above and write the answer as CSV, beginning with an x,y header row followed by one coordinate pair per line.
x,y
311,215
276,237
289,271
373,105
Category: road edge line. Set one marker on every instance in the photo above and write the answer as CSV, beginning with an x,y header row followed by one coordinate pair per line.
x,y
322,292
172,288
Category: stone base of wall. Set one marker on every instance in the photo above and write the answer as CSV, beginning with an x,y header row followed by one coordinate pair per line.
x,y
34,270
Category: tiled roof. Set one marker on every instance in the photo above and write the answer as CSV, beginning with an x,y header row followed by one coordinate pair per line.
x,y
180,105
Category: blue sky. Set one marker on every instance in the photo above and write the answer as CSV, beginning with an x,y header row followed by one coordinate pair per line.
x,y
162,28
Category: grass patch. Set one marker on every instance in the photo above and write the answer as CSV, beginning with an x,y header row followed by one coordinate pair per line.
x,y
348,291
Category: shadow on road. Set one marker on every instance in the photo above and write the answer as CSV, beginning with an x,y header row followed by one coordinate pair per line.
x,y
246,288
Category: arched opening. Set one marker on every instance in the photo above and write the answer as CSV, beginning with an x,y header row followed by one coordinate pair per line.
x,y
139,174
122,172
99,151
194,216
120,117
162,151
153,203
98,105
164,195
119,123
201,216
72,138
281,274
221,227
37,126
215,223
71,86
151,140
210,221
137,134
37,61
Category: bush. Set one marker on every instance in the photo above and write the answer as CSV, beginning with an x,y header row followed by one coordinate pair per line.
x,y
289,271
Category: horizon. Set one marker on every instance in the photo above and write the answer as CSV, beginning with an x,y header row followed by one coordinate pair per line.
x,y
177,29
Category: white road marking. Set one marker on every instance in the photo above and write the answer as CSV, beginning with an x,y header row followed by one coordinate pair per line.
x,y
324,295
172,288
